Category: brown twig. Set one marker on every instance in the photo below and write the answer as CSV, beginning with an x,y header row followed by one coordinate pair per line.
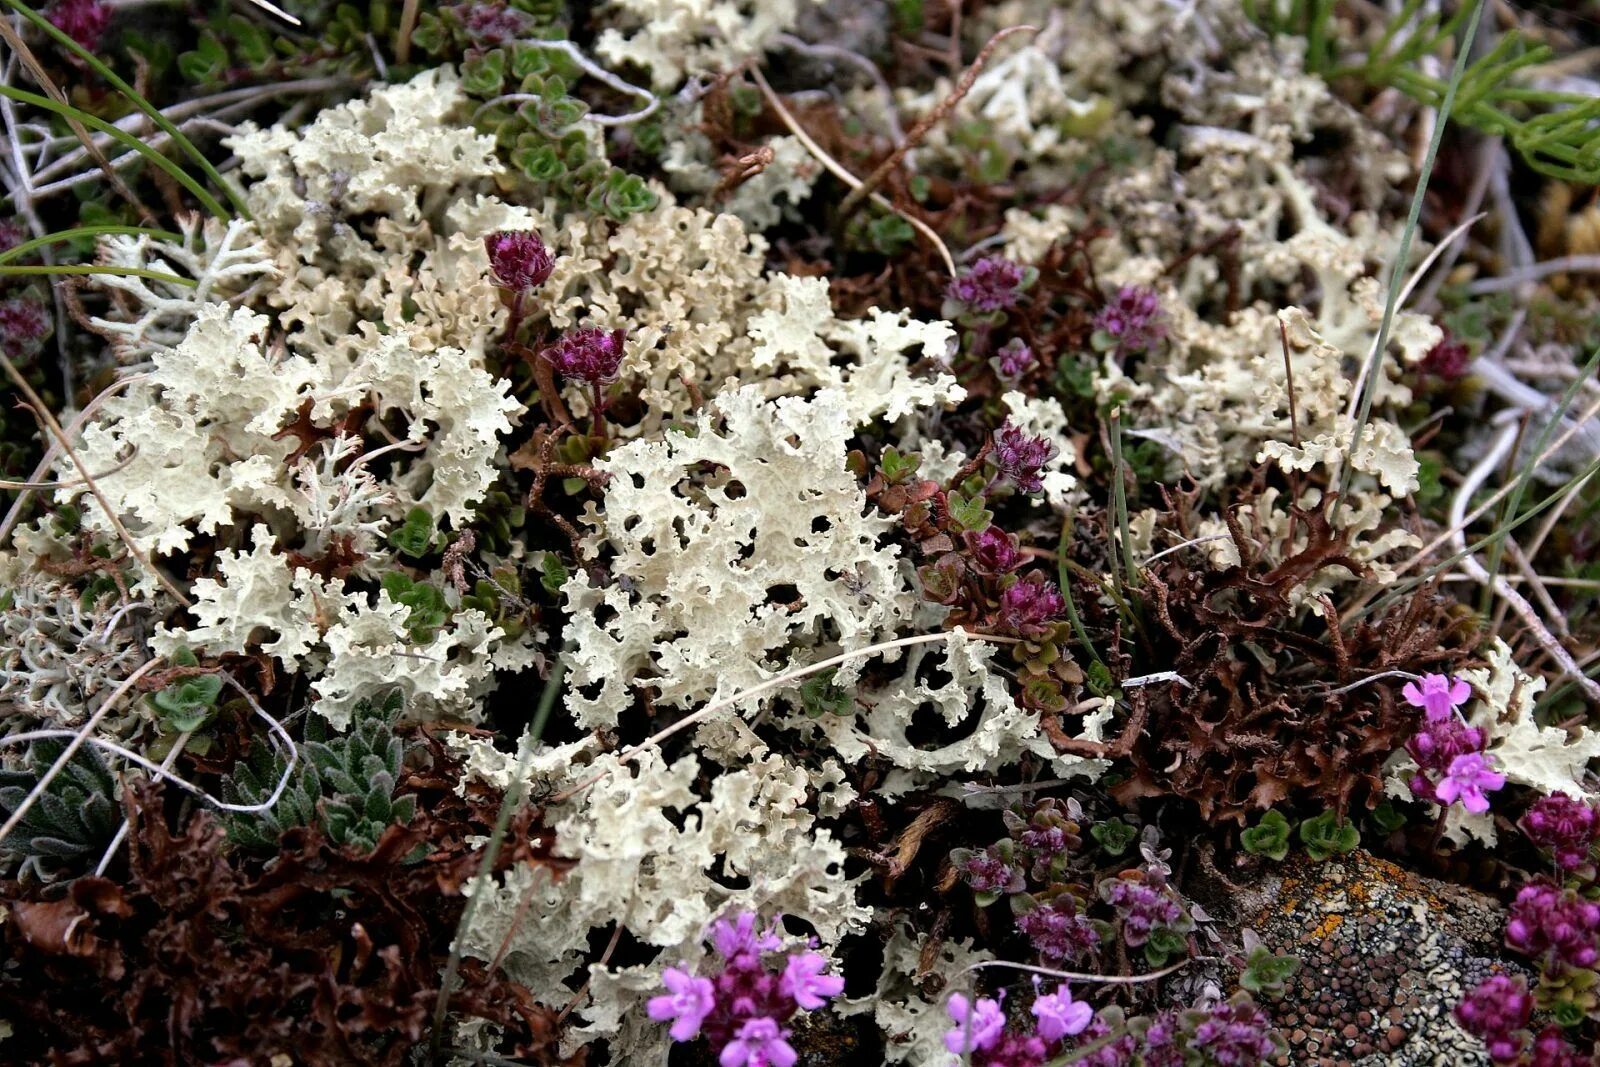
x,y
869,185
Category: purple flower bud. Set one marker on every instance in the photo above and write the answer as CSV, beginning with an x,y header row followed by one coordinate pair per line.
x,y
1131,321
11,234
1564,826
990,871
1058,932
1495,1013
1014,359
1143,908
760,1042
1031,606
491,23
519,260
24,324
1237,1034
1021,457
1448,359
1551,1049
1439,742
978,1026
1556,923
994,283
84,21
994,552
587,354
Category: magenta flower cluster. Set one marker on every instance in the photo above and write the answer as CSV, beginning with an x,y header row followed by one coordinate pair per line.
x,y
587,354
1567,827
1060,933
1449,359
519,260
991,871
1452,765
1013,360
24,325
1031,606
993,551
85,21
1555,925
494,23
993,283
1021,456
1497,1013
1142,907
980,1028
1235,1034
1131,321
742,1009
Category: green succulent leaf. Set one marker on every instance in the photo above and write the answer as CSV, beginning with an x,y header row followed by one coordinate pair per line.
x,y
1268,837
1326,835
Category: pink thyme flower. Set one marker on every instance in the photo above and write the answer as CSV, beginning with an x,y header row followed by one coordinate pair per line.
x,y
993,283
84,21
1547,920
994,551
1437,695
804,981
1552,1049
759,1043
978,1026
1496,1012
587,354
1469,780
1059,1015
738,938
1565,826
1021,456
1130,322
24,325
1014,359
1031,606
1448,359
519,260
687,1002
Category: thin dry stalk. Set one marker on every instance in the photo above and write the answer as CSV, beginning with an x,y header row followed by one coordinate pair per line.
x,y
105,505
925,124
408,25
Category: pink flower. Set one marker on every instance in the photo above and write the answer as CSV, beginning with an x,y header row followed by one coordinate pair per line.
x,y
737,937
759,1043
1438,695
977,1026
1021,457
519,259
994,283
83,20
804,981
1469,780
1564,826
1059,1015
687,1002
587,353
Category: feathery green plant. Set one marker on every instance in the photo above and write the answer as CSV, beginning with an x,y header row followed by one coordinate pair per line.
x,y
74,818
344,785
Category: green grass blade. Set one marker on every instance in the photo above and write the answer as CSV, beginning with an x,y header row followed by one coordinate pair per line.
x,y
162,122
85,231
95,268
1119,501
1369,383
1064,580
125,138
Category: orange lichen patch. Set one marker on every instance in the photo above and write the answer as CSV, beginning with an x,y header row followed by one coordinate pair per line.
x,y
1326,927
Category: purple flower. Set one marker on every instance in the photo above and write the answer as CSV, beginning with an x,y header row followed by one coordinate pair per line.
x,y
804,981
1437,695
1142,907
519,260
978,1026
24,324
994,283
1440,741
1031,606
1059,1015
1059,933
1013,360
759,1043
1448,359
587,354
738,939
994,552
1021,457
687,1002
11,234
1564,826
84,21
1130,322
1163,1041
1237,1034
492,24
991,871
1548,920
1551,1049
1469,780
1495,1013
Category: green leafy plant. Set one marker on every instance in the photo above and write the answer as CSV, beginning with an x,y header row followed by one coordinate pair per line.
x,y
819,696
74,818
1328,834
189,702
1267,972
415,536
344,784
428,609
1269,837
1114,835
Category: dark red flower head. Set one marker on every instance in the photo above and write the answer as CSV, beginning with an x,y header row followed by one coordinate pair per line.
x,y
588,354
520,260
